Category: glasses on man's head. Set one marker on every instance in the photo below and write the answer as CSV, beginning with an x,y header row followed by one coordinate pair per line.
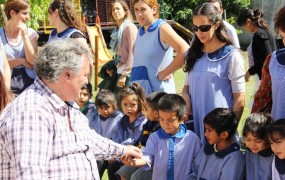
x,y
202,28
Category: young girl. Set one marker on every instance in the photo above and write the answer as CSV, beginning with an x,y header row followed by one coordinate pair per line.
x,y
276,136
258,154
122,41
128,130
107,120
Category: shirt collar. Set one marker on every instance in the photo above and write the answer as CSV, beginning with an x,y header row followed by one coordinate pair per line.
x,y
180,134
280,165
151,28
264,153
125,123
221,53
56,102
209,149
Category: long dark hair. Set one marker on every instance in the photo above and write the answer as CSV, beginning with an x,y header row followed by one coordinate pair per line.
x,y
280,20
212,13
256,16
67,13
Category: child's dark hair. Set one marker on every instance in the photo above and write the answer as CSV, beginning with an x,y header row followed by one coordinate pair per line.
x,y
133,89
153,99
222,119
105,98
277,127
88,86
172,103
255,15
257,124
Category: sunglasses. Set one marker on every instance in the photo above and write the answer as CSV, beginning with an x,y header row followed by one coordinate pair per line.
x,y
202,28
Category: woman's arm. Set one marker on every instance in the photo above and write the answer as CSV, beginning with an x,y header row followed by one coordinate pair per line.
x,y
7,70
239,100
30,45
170,37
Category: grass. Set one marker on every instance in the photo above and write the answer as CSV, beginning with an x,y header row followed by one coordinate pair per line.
x,y
179,82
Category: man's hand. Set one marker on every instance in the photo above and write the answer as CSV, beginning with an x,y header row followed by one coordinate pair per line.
x,y
133,151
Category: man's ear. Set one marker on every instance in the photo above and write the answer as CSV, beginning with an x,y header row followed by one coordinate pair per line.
x,y
66,75
154,9
156,113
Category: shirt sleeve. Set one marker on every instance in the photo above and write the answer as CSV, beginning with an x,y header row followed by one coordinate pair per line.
x,y
236,73
32,34
148,152
29,140
105,148
129,37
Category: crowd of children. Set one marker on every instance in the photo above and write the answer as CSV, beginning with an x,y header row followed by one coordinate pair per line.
x,y
157,123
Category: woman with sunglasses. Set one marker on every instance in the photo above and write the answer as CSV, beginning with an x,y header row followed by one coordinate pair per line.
x,y
263,44
20,44
215,69
153,50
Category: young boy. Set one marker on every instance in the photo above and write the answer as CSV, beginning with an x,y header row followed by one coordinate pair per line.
x,y
86,106
220,157
172,148
152,125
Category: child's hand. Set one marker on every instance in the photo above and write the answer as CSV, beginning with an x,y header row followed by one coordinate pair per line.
x,y
127,160
111,161
110,72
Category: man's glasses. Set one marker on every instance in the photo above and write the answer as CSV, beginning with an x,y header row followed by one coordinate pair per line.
x,y
202,28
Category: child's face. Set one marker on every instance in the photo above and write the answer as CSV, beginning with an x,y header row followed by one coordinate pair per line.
x,y
211,135
83,98
152,115
106,111
255,144
278,146
169,122
130,106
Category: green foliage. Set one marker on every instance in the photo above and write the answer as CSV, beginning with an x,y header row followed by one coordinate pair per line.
x,y
38,12
2,1
182,10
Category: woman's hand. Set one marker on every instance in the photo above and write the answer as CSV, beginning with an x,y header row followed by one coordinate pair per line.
x,y
121,81
23,28
162,77
27,64
247,76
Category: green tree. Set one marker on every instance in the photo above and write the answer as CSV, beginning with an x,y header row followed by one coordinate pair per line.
x,y
38,13
182,10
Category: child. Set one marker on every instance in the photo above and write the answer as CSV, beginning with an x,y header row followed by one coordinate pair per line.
x,y
171,149
152,125
86,106
129,128
107,120
258,155
276,136
220,157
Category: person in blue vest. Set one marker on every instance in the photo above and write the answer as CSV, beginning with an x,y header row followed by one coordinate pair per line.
x,y
20,44
153,50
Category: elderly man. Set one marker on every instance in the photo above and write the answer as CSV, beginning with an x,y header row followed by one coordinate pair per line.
x,y
42,134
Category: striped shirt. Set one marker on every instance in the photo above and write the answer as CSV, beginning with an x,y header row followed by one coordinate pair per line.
x,y
43,137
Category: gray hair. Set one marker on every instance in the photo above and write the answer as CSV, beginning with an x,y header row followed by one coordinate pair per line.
x,y
58,56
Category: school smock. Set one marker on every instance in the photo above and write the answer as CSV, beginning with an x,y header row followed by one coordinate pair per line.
x,y
212,82
1,59
277,72
105,126
127,133
151,56
226,164
18,51
278,168
258,165
68,33
156,153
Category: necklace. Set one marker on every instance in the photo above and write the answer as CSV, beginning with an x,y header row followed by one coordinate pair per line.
x,y
13,42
